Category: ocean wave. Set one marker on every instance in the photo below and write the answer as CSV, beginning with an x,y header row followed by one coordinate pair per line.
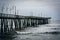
x,y
42,29
27,33
54,32
23,33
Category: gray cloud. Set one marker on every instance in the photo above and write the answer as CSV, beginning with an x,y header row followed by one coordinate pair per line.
x,y
47,7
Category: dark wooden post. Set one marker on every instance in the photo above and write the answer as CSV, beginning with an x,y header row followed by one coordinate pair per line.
x,y
1,24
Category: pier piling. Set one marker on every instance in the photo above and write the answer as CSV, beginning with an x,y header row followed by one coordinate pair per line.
x,y
9,21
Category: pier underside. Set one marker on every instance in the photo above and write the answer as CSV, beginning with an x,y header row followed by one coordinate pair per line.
x,y
9,22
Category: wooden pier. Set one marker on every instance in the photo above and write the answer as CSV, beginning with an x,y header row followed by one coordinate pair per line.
x,y
9,22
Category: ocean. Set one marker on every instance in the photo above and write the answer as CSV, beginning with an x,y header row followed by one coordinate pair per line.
x,y
49,31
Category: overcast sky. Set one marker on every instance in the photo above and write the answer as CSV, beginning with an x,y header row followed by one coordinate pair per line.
x,y
45,8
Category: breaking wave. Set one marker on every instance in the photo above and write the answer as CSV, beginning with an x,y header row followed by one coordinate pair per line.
x,y
42,29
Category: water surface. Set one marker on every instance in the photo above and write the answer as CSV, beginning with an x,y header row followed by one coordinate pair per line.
x,y
42,32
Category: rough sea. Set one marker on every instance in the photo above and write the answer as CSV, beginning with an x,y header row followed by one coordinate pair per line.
x,y
49,31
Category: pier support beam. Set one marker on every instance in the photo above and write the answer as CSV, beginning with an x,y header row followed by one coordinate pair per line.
x,y
22,23
37,22
5,26
11,27
15,21
1,25
30,23
19,21
25,22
